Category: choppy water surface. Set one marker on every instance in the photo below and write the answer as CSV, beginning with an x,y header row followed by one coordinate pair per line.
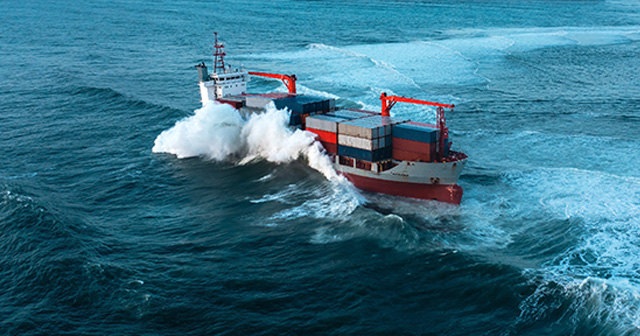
x,y
123,211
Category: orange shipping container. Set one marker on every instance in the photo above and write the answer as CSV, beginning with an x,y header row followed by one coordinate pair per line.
x,y
324,135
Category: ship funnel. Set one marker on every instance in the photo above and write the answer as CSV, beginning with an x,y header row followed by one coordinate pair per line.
x,y
203,75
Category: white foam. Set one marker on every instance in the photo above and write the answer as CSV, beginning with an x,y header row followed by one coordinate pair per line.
x,y
613,303
7,196
218,132
282,196
611,155
599,272
266,178
335,201
435,64
214,132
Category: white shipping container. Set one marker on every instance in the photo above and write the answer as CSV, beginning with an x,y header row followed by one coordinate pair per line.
x,y
371,127
257,102
361,130
323,123
361,143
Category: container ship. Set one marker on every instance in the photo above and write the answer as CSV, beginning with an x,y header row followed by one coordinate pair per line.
x,y
374,151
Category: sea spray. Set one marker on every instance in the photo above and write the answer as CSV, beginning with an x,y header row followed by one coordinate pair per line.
x,y
218,132
213,132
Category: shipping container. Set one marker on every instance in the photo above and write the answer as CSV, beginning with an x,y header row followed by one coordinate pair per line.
x,y
369,127
361,154
287,103
273,95
416,132
404,155
329,147
257,101
386,141
350,115
324,122
324,135
366,144
303,118
360,129
363,143
303,104
295,119
414,146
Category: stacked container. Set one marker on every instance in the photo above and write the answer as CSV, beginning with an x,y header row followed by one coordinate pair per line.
x,y
367,139
351,114
325,126
326,129
415,142
300,106
259,101
303,106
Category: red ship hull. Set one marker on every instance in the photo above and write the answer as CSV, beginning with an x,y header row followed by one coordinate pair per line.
x,y
451,193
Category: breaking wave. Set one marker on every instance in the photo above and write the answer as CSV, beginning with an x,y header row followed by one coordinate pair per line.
x,y
218,132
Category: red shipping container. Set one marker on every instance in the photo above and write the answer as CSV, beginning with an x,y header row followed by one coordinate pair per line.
x,y
413,146
325,136
404,155
330,147
303,118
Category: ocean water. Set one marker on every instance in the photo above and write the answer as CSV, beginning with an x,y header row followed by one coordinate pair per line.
x,y
126,209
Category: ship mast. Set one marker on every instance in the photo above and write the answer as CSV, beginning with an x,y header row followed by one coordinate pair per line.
x,y
218,54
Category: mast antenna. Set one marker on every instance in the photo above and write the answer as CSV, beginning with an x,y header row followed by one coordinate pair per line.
x,y
218,53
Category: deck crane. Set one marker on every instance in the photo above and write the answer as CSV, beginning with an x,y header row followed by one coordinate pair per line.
x,y
389,101
288,80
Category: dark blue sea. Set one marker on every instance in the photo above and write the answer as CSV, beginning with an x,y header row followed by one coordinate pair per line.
x,y
127,210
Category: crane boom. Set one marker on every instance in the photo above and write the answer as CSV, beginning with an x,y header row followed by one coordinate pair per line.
x,y
389,101
288,80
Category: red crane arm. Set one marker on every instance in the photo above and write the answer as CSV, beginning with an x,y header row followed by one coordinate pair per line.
x,y
288,80
389,101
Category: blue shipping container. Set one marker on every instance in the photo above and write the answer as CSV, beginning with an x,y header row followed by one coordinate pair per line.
x,y
286,102
416,133
303,104
349,115
295,119
365,155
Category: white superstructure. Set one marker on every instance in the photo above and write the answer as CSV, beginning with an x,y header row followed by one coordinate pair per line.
x,y
219,85
222,81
